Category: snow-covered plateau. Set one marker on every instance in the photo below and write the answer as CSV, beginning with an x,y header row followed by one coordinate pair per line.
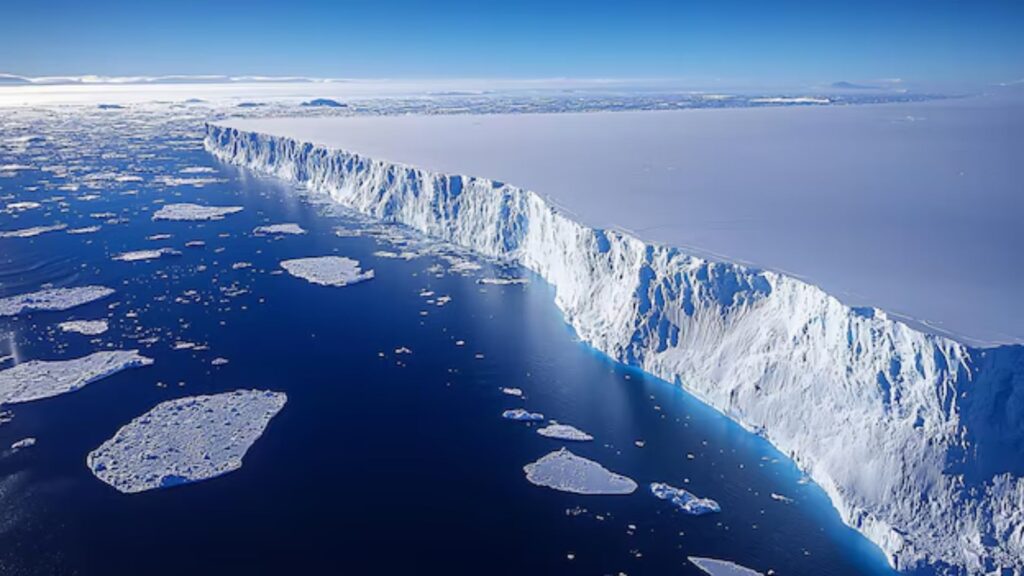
x,y
917,438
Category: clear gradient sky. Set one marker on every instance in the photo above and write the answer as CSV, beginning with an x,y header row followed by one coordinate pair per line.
x,y
755,42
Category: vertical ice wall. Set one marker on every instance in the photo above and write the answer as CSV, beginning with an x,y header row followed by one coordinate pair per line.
x,y
918,439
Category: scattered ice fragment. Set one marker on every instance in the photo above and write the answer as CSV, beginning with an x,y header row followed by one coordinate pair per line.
x,y
503,281
185,440
279,229
19,206
639,443
53,299
87,327
186,211
31,232
403,350
686,501
512,391
327,270
562,470
138,255
714,567
564,432
156,237
405,255
195,244
521,415
23,443
84,230
219,361
781,498
38,379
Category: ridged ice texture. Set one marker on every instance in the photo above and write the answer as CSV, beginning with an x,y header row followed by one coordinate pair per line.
x,y
917,439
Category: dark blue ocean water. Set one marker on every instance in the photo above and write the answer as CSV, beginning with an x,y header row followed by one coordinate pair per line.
x,y
379,463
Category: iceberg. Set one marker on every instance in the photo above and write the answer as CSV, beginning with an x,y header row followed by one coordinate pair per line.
x,y
566,472
193,212
564,432
715,567
52,300
684,500
185,440
520,415
327,270
275,229
39,379
139,255
934,416
86,327
23,443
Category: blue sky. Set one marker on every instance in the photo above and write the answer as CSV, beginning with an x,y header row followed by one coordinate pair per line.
x,y
755,42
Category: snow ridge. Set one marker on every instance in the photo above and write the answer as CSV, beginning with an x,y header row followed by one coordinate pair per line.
x,y
918,439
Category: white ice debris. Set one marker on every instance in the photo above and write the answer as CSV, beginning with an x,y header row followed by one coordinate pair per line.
x,y
52,299
38,379
84,230
521,415
503,281
562,470
564,432
139,255
274,229
190,212
86,327
31,232
518,392
327,270
23,443
775,353
185,440
714,567
20,206
684,500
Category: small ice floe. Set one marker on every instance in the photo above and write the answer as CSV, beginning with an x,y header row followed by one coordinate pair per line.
x,y
463,266
193,212
53,299
520,415
277,229
195,244
564,471
196,170
21,206
564,432
714,567
84,230
23,443
31,232
406,255
781,498
518,392
185,440
403,350
38,379
327,270
86,327
219,361
139,255
685,501
503,281
156,237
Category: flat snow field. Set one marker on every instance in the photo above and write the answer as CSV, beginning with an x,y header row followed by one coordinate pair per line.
x,y
913,208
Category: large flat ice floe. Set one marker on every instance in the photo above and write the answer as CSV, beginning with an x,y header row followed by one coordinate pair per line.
x,y
327,270
38,379
566,472
880,413
185,440
52,299
194,212
715,567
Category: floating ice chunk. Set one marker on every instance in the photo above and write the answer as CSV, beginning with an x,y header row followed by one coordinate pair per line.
x,y
195,244
781,498
38,379
327,270
521,415
53,299
185,440
503,281
87,327
219,361
686,501
279,229
19,206
518,392
30,232
138,255
404,255
186,211
324,102
562,470
564,432
23,443
84,230
722,567
156,237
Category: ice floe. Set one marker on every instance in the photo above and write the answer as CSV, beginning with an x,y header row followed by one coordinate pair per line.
x,y
193,212
31,232
38,379
564,432
138,255
503,281
521,415
53,299
685,501
84,230
185,440
327,270
721,567
23,443
277,229
87,327
564,471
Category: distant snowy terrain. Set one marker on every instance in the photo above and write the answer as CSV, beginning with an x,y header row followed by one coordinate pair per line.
x,y
916,437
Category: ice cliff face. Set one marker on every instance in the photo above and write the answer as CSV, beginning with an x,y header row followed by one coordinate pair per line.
x,y
918,439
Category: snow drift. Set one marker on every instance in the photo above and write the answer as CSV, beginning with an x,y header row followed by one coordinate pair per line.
x,y
918,439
